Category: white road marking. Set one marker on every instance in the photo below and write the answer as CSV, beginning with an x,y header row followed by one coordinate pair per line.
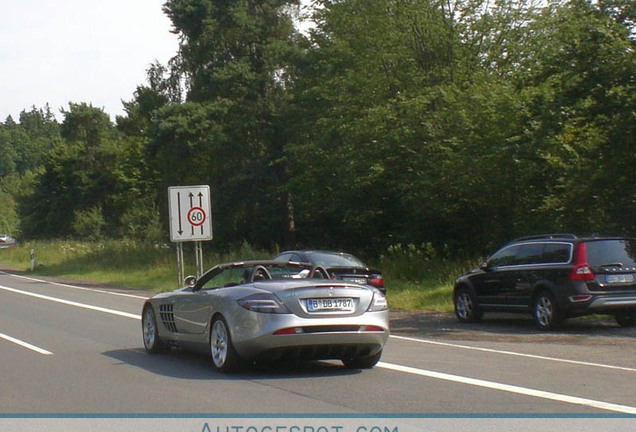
x,y
405,369
25,344
72,303
516,354
74,286
510,388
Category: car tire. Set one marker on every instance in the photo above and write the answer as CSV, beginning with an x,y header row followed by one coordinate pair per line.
x,y
224,356
626,319
467,307
150,332
362,362
546,312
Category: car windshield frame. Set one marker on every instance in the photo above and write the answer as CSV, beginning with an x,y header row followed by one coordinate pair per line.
x,y
239,273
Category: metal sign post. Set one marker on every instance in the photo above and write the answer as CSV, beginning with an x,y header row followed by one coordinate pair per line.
x,y
180,275
198,252
190,220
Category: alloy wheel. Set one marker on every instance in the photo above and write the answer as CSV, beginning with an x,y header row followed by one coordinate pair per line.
x,y
464,305
149,329
545,312
219,343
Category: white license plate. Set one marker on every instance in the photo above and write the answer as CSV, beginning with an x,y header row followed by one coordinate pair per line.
x,y
330,304
619,278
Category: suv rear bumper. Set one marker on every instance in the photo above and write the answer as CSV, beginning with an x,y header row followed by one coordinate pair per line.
x,y
604,303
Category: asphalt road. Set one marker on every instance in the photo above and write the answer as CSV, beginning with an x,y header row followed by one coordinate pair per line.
x,y
70,348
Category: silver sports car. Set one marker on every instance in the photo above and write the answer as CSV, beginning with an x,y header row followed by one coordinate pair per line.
x,y
242,312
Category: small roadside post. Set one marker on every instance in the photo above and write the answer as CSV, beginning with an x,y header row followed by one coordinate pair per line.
x,y
32,259
190,221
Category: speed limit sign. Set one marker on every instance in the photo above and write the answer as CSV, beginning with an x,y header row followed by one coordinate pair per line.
x,y
196,216
190,218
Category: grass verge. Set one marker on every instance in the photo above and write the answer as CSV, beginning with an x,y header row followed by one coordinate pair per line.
x,y
132,265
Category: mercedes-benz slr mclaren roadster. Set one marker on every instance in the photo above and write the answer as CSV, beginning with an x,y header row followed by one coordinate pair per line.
x,y
243,312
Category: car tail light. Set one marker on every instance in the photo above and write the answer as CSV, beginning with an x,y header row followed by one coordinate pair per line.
x,y
376,281
581,270
378,303
264,303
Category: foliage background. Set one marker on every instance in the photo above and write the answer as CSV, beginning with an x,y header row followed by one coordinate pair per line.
x,y
445,127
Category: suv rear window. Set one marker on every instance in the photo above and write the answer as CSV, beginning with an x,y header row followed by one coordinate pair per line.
x,y
606,252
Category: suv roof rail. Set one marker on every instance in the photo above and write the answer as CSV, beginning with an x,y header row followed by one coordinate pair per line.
x,y
547,236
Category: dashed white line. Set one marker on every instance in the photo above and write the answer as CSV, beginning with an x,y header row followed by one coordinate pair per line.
x,y
72,303
74,286
404,369
25,344
516,354
512,389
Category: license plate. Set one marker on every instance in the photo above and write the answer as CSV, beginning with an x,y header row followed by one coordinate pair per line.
x,y
330,304
619,278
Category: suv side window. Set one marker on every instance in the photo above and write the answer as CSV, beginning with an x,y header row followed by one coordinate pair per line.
x,y
529,254
554,253
504,257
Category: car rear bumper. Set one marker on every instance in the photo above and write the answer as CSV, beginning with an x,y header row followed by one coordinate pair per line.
x,y
614,302
304,338
604,303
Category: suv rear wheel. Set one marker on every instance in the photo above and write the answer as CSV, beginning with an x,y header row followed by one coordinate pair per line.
x,y
546,312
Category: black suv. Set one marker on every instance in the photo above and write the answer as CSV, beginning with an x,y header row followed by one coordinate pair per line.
x,y
553,276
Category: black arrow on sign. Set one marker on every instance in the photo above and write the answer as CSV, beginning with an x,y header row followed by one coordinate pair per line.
x,y
201,205
179,211
191,226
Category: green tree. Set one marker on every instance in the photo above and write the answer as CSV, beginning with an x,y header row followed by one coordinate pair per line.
x,y
23,147
80,175
7,147
235,61
408,128
582,108
40,133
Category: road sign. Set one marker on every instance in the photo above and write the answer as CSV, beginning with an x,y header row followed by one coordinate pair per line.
x,y
190,217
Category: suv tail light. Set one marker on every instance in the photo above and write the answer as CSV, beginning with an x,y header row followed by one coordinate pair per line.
x,y
581,270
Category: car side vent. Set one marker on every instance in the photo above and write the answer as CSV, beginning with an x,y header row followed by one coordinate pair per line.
x,y
167,317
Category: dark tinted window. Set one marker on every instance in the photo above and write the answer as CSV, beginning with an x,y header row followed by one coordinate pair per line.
x,y
504,257
601,252
288,256
556,253
335,260
529,253
284,257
